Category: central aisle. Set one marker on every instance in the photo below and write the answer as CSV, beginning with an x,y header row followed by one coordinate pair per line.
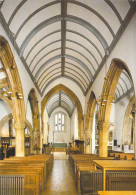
x,y
61,181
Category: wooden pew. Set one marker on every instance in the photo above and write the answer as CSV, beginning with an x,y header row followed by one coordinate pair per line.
x,y
116,192
34,168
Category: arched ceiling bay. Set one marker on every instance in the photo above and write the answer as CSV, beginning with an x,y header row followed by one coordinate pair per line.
x,y
65,38
60,99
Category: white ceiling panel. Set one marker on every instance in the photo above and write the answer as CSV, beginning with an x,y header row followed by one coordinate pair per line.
x,y
91,19
40,36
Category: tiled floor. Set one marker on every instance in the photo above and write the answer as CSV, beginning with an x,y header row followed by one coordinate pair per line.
x,y
61,181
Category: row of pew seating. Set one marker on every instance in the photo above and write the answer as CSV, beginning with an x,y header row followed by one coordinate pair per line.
x,y
35,170
88,179
122,156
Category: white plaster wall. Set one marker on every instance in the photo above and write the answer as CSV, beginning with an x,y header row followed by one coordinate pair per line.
x,y
74,125
4,109
71,85
5,130
120,109
60,137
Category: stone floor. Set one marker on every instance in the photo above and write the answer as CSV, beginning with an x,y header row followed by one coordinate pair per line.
x,y
60,181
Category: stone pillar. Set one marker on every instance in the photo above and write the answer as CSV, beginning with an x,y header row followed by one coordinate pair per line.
x,y
103,138
20,139
36,139
135,133
11,128
88,142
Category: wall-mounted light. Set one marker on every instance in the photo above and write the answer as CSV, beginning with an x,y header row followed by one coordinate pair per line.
x,y
19,95
9,90
5,93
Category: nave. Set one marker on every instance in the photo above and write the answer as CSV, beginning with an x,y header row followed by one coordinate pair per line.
x,y
61,180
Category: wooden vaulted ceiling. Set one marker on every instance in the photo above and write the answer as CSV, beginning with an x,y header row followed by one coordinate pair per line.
x,y
66,38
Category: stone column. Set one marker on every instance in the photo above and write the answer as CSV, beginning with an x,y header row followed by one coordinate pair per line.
x,y
20,139
11,128
135,133
103,138
36,139
88,142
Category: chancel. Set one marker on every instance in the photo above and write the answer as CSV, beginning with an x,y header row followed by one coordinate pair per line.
x,y
67,97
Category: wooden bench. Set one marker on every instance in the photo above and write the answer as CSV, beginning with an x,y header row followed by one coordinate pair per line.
x,y
116,192
34,168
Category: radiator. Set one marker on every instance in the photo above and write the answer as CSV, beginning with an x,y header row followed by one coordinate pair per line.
x,y
97,180
128,184
11,185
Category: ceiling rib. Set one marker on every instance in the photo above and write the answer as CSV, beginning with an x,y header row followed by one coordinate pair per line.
x,y
37,29
57,63
33,14
16,10
56,49
114,9
56,41
82,56
90,27
66,56
78,74
40,41
68,77
78,69
68,40
77,33
95,12
63,35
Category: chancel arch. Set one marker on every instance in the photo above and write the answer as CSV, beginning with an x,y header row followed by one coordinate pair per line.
x,y
12,94
91,105
75,99
107,96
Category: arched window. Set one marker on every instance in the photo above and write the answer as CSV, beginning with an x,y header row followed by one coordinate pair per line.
x,y
59,121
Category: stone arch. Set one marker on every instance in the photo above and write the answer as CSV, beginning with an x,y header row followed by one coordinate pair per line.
x,y
108,91
9,117
127,123
75,99
35,117
89,121
15,103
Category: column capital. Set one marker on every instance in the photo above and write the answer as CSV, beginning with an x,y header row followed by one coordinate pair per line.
x,y
20,125
103,126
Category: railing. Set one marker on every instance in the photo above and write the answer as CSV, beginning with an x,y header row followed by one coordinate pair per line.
x,y
11,185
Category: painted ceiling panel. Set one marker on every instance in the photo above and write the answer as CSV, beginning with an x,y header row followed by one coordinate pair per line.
x,y
45,59
82,59
100,7
86,15
45,42
44,50
8,8
69,61
50,69
122,7
36,20
86,36
77,75
67,39
41,36
83,50
78,70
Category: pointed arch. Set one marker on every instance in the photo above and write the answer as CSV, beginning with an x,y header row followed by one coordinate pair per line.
x,y
108,91
91,104
75,99
16,103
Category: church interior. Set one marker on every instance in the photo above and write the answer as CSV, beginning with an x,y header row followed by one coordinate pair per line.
x,y
67,97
